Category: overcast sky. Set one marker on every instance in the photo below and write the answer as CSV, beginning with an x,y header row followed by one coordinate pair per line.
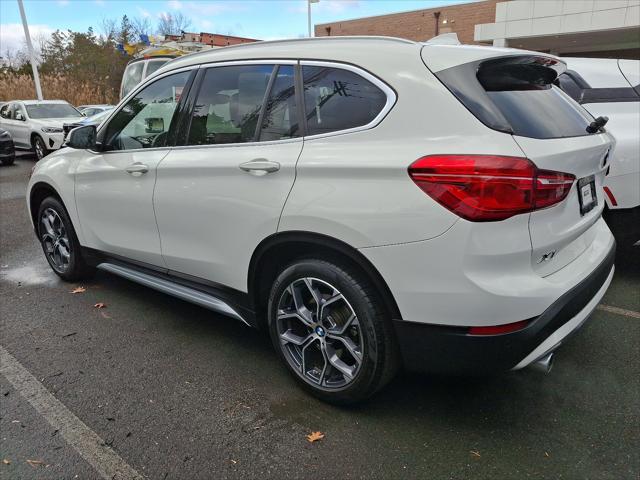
x,y
261,19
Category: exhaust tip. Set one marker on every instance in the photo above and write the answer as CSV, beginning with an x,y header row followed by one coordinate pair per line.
x,y
545,364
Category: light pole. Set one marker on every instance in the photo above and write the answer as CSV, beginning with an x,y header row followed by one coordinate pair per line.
x,y
34,65
309,2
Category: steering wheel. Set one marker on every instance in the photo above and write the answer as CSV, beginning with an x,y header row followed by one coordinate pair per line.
x,y
160,140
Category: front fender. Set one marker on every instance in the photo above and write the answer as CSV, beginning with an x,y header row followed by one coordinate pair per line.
x,y
57,171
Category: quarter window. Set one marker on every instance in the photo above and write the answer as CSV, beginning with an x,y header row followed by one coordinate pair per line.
x,y
145,120
337,99
280,119
228,105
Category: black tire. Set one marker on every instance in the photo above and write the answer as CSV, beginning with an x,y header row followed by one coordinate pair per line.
x,y
379,359
74,268
39,147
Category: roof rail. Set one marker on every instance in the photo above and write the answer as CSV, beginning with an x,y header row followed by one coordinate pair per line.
x,y
297,40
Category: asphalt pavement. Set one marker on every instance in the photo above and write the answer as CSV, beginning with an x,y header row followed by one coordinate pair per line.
x,y
172,391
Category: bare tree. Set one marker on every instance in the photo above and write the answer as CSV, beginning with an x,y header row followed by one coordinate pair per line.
x,y
141,26
108,28
173,24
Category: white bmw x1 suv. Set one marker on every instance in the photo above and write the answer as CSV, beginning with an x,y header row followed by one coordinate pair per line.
x,y
371,202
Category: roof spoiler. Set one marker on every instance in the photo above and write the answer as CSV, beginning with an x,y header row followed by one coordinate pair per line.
x,y
444,39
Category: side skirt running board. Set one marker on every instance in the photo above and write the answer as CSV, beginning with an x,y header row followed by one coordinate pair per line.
x,y
180,291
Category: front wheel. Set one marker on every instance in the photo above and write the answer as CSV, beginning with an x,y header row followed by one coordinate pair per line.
x,y
59,241
39,147
331,329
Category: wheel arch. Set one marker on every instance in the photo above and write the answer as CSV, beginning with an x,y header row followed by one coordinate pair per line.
x,y
39,191
33,135
278,250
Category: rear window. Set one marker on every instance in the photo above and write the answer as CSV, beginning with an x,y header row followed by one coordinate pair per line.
x,y
517,95
132,77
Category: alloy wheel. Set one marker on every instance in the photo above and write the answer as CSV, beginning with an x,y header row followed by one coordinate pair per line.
x,y
319,333
39,148
55,239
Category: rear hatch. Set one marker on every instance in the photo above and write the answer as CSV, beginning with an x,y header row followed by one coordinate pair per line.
x,y
512,91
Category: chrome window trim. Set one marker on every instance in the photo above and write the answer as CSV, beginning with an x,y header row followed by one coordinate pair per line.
x,y
234,63
386,89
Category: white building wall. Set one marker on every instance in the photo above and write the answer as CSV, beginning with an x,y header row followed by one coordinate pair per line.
x,y
532,18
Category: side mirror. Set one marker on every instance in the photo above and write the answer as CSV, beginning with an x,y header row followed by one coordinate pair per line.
x,y
82,138
19,116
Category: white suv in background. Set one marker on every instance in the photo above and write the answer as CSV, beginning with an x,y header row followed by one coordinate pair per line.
x,y
37,125
611,88
368,201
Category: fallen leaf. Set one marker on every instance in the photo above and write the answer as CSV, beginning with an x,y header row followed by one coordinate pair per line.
x,y
35,463
475,453
6,461
100,305
79,290
315,436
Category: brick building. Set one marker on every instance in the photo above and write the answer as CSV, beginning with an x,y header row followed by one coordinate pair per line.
x,y
217,40
419,25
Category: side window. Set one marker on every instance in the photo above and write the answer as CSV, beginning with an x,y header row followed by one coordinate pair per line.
x,y
17,112
5,111
337,99
153,66
145,120
228,104
280,119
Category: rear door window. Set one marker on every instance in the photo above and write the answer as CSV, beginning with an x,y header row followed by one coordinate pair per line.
x,y
336,99
228,105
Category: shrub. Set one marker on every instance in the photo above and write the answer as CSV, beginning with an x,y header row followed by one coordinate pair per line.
x,y
56,87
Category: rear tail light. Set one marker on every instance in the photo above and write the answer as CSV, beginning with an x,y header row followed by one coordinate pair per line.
x,y
484,188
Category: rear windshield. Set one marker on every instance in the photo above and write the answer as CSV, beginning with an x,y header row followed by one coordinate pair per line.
x,y
517,95
52,110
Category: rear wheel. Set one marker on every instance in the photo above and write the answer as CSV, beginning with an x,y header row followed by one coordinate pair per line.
x,y
39,147
329,326
59,241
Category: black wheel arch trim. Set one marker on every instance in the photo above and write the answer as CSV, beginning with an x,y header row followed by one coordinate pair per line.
x,y
324,242
39,191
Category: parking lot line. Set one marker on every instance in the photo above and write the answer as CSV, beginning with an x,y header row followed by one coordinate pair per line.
x,y
84,440
619,311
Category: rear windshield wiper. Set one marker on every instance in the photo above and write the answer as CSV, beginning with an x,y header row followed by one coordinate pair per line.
x,y
597,125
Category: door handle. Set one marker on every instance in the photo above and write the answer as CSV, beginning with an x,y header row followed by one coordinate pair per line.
x,y
260,166
137,169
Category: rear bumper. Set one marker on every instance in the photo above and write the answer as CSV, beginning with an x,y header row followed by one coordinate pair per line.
x,y
450,350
